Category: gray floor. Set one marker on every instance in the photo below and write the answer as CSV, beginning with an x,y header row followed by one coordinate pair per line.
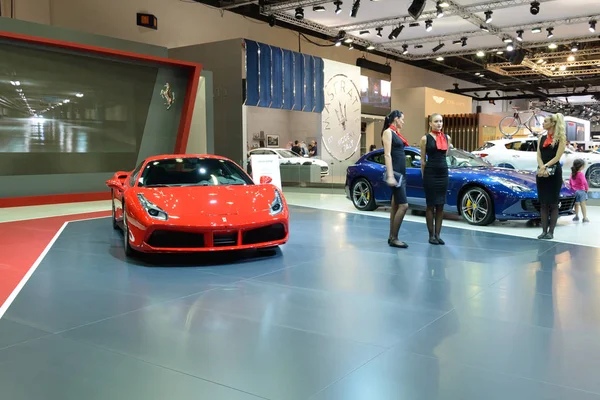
x,y
334,314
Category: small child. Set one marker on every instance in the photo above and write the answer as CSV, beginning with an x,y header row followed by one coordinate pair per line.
x,y
580,186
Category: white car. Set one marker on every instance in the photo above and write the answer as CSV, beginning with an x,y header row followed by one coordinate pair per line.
x,y
521,154
289,157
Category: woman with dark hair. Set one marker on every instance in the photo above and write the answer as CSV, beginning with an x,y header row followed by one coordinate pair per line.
x,y
551,147
434,169
395,172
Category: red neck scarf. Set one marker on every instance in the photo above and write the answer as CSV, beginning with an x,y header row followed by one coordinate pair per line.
x,y
440,140
397,132
548,141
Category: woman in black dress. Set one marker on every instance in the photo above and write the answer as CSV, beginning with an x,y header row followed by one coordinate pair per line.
x,y
395,172
551,147
434,169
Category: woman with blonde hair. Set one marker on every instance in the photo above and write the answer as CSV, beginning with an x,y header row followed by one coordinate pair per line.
x,y
551,147
434,169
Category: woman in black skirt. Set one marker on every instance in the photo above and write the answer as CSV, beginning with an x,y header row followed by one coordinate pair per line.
x,y
395,172
551,147
434,169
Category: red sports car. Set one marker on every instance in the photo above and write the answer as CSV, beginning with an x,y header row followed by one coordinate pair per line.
x,y
190,203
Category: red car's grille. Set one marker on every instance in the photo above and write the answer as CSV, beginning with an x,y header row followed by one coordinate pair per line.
x,y
225,239
175,239
265,234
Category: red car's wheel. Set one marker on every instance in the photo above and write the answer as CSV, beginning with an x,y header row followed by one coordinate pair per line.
x,y
114,216
126,245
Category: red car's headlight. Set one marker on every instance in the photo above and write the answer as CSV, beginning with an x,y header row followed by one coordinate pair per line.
x,y
152,209
276,206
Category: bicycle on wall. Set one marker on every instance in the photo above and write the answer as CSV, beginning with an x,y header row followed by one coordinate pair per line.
x,y
511,125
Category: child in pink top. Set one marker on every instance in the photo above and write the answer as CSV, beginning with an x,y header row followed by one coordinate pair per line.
x,y
578,183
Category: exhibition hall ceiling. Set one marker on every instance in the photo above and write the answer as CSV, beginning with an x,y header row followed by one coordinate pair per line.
x,y
519,47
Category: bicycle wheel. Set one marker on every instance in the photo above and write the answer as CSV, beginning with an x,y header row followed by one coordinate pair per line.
x,y
509,126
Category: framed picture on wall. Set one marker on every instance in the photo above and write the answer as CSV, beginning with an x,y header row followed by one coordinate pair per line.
x,y
272,140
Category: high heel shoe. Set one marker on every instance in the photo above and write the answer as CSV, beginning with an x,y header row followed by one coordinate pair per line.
x,y
440,241
543,235
433,240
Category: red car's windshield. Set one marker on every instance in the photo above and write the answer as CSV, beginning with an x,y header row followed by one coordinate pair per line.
x,y
192,171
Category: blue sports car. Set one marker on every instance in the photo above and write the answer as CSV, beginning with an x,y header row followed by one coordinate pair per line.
x,y
478,191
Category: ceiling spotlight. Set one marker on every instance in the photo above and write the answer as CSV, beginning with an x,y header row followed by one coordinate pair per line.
x,y
418,46
436,48
338,42
80,95
488,16
338,6
520,35
571,58
535,7
480,54
552,46
371,47
318,8
364,33
395,32
464,41
351,47
510,47
379,31
355,7
348,40
440,58
507,40
550,34
536,30
272,20
428,25
443,4
299,13
484,28
15,83
563,67
67,101
404,49
593,26
499,52
574,47
439,11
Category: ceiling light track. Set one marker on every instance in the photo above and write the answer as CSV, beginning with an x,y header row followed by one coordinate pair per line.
x,y
432,14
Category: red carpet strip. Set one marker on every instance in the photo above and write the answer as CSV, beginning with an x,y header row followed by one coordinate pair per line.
x,y
22,244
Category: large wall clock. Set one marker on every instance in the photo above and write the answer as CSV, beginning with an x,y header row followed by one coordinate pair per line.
x,y
341,117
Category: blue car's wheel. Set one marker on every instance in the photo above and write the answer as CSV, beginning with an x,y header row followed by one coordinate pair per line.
x,y
476,206
362,195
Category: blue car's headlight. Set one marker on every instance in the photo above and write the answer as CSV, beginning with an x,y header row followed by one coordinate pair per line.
x,y
276,205
512,185
152,209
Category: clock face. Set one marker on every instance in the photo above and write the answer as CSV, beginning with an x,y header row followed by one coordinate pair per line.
x,y
341,117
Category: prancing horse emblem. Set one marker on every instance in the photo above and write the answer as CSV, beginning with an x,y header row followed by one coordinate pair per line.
x,y
168,95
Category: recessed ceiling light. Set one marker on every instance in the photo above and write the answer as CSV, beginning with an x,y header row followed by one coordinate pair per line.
x,y
440,58
480,54
536,30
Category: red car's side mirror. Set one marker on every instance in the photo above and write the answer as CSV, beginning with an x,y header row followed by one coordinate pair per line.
x,y
265,179
115,184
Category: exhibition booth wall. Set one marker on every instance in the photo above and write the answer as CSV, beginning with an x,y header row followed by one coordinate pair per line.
x,y
78,107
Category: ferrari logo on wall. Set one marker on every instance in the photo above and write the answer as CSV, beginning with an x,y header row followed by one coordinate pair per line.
x,y
168,95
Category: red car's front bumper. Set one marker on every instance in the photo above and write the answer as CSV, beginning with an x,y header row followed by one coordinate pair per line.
x,y
165,237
